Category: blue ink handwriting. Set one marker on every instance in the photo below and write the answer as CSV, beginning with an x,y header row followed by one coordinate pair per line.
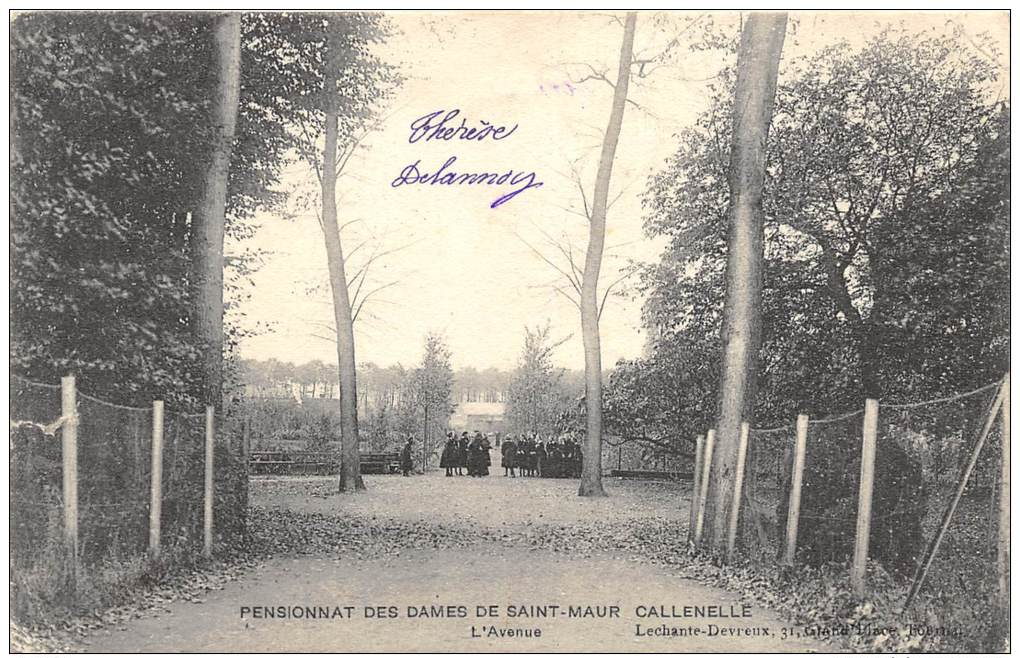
x,y
427,128
412,174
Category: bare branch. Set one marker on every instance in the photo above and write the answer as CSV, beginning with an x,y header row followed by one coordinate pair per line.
x,y
644,109
594,74
360,278
616,198
584,199
348,223
550,263
361,275
609,289
620,245
573,301
570,258
368,295
570,210
357,247
660,56
567,252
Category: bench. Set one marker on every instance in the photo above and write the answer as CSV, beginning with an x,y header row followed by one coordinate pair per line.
x,y
278,462
651,475
380,463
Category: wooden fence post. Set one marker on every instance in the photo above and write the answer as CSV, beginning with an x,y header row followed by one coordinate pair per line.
x,y
69,452
796,485
868,444
246,456
1002,552
961,486
156,479
208,516
699,457
738,490
703,486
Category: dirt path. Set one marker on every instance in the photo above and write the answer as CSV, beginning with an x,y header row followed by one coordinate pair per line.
x,y
482,576
489,501
494,571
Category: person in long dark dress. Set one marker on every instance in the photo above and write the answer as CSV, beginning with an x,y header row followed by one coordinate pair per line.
x,y
533,456
529,455
521,458
406,463
478,456
474,457
462,453
486,455
509,452
554,460
573,458
448,459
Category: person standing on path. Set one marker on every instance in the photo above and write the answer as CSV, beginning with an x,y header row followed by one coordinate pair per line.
x,y
478,456
462,454
406,463
487,456
448,460
509,452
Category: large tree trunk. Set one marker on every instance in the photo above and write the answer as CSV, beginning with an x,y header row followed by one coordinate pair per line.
x,y
350,460
591,473
761,45
208,218
866,333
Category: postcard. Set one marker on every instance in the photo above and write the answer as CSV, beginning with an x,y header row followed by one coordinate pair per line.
x,y
515,331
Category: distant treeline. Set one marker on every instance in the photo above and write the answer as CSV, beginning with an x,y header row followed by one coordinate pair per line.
x,y
319,380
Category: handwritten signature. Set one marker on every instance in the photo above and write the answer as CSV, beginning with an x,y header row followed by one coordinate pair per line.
x,y
440,126
522,181
427,128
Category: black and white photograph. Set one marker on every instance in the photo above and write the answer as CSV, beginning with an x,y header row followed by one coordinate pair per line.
x,y
573,330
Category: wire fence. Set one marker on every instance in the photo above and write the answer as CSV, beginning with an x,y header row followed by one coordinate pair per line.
x,y
110,520
768,469
914,507
829,494
923,453
645,457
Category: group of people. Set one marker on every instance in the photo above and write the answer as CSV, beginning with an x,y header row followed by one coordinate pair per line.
x,y
463,453
532,457
527,456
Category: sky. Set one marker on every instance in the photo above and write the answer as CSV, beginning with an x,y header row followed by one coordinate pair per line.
x,y
478,275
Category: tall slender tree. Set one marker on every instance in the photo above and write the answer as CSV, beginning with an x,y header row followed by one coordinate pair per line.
x,y
209,217
761,45
350,460
334,50
591,473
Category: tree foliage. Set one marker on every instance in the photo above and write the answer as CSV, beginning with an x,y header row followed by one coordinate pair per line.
x,y
432,386
536,395
886,215
110,132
